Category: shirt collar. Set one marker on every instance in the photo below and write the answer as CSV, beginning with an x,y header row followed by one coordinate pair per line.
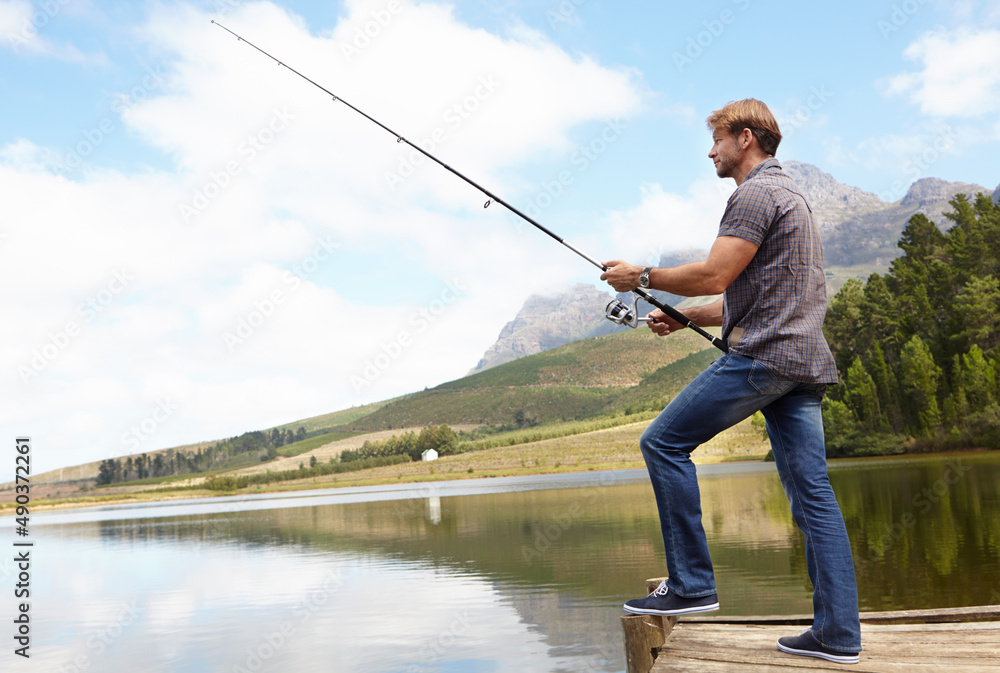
x,y
767,164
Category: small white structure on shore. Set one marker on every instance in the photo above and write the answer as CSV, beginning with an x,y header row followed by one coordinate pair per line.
x,y
429,454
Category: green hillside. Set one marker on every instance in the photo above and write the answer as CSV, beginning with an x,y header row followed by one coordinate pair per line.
x,y
623,372
336,418
620,359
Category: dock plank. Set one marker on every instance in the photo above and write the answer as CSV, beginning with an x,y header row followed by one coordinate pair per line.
x,y
969,647
932,615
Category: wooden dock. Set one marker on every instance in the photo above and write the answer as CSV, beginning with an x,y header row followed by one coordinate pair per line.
x,y
951,640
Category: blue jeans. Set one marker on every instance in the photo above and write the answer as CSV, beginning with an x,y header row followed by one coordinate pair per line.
x,y
730,390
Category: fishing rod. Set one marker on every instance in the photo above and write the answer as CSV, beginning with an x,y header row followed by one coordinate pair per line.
x,y
616,311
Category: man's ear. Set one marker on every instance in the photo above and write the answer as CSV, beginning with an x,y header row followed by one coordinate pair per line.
x,y
745,139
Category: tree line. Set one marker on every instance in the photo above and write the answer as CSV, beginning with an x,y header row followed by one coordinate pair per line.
x,y
263,443
441,438
917,346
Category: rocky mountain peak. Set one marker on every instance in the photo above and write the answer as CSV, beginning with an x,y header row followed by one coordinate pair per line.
x,y
930,190
831,201
820,187
548,321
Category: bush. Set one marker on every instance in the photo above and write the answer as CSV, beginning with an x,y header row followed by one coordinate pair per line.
x,y
227,482
234,482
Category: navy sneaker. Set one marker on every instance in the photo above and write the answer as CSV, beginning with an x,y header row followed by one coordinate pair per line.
x,y
806,644
662,602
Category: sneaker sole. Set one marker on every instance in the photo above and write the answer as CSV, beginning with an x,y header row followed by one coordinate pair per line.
x,y
668,613
835,658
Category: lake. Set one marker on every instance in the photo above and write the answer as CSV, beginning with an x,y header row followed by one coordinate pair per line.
x,y
519,574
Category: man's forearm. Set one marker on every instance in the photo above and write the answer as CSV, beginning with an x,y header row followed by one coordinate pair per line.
x,y
696,279
726,260
708,315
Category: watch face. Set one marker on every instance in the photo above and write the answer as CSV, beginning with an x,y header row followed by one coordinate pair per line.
x,y
644,279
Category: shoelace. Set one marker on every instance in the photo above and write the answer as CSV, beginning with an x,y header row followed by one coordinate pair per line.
x,y
660,590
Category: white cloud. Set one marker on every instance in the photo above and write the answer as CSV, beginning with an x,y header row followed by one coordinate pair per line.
x,y
960,73
902,158
22,25
130,283
665,222
14,16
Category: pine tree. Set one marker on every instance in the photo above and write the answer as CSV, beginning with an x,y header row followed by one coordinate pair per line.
x,y
921,242
955,407
919,381
106,472
977,313
886,388
880,316
862,397
842,319
838,423
978,379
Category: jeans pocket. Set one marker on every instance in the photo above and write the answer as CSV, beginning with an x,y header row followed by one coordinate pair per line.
x,y
767,382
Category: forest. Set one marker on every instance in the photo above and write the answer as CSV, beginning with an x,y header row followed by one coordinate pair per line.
x,y
917,347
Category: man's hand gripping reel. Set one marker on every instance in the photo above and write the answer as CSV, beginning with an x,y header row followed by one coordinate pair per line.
x,y
621,313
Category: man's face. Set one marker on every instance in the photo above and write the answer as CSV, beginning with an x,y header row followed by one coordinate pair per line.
x,y
725,153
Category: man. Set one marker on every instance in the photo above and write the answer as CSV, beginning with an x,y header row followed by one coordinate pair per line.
x,y
767,262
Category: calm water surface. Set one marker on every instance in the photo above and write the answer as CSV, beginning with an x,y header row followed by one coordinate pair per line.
x,y
519,575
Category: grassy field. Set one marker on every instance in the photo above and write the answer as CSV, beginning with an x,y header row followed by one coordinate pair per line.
x,y
307,445
609,449
550,431
836,276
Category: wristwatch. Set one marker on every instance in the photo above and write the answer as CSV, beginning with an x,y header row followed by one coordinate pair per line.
x,y
644,278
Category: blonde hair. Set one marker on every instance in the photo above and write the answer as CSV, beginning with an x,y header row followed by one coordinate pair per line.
x,y
752,114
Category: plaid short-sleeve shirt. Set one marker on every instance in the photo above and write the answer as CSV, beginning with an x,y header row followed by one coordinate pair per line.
x,y
774,310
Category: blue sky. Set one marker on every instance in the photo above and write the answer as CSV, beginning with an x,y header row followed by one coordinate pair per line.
x,y
197,243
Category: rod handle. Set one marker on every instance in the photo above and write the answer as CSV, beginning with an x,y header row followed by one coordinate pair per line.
x,y
682,319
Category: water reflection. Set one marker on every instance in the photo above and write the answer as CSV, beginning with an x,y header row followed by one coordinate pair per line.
x,y
434,509
926,531
526,580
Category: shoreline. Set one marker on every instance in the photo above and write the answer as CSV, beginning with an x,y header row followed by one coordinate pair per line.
x,y
316,483
320,483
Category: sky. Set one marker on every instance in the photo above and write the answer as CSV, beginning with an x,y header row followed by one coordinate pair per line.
x,y
196,243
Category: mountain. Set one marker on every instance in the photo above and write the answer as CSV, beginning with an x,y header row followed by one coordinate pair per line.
x,y
858,227
871,238
832,202
546,322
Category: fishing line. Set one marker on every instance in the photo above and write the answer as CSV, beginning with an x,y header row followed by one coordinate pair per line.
x,y
617,311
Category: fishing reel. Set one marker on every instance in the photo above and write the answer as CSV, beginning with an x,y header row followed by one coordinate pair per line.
x,y
621,313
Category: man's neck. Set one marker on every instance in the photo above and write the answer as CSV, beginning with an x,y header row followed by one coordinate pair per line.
x,y
746,166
